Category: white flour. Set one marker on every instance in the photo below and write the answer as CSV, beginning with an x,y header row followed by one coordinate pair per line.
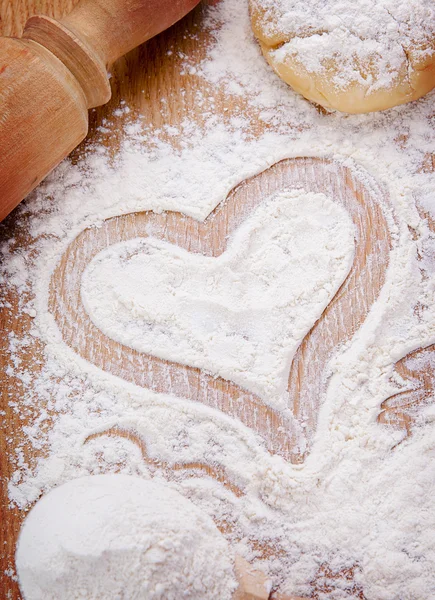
x,y
112,536
370,41
354,503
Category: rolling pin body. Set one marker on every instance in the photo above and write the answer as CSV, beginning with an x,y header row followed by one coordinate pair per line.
x,y
55,73
44,116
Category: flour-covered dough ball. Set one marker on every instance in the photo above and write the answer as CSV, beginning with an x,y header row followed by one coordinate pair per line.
x,y
115,536
351,55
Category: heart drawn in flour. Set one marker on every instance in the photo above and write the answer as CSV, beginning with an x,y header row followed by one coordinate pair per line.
x,y
240,315
287,430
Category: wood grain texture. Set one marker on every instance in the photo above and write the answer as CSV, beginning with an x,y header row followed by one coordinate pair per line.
x,y
143,78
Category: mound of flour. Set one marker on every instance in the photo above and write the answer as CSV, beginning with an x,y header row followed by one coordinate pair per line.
x,y
115,536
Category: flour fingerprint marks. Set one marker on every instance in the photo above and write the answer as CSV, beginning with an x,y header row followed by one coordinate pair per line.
x,y
417,369
289,434
216,472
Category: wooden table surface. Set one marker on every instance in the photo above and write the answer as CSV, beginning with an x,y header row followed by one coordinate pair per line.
x,y
142,78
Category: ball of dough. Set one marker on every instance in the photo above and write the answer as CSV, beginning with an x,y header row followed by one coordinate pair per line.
x,y
115,536
351,56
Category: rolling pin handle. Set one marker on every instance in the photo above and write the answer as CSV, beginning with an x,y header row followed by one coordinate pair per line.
x,y
97,32
75,54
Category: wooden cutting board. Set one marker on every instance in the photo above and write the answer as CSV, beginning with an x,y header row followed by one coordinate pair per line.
x,y
142,78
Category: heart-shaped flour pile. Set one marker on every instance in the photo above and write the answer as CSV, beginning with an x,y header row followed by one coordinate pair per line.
x,y
241,315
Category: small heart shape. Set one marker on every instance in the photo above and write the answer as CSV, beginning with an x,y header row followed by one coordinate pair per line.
x,y
245,311
289,432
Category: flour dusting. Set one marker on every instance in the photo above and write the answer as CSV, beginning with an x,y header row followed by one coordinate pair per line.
x,y
356,519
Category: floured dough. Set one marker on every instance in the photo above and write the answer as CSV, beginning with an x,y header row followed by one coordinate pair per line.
x,y
351,56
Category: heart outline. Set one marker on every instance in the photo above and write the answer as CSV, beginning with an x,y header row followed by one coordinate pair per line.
x,y
339,321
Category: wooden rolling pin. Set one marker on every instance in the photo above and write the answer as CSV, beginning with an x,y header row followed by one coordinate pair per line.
x,y
56,72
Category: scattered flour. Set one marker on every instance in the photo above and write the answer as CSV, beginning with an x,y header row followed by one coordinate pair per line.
x,y
355,503
115,536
